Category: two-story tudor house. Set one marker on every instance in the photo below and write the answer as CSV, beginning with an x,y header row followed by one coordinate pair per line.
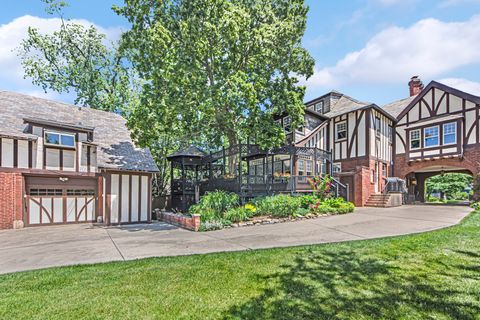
x,y
434,130
62,164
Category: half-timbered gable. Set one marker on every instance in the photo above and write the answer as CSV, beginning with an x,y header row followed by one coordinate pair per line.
x,y
437,131
440,122
71,164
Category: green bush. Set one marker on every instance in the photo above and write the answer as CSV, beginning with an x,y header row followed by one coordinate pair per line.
x,y
213,205
278,206
308,200
238,214
333,206
475,206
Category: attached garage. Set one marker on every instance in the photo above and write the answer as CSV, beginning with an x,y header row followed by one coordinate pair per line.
x,y
61,164
60,200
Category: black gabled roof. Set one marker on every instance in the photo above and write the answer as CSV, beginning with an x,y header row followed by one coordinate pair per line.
x,y
189,152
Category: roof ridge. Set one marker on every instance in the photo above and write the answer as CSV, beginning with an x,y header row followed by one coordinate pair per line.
x,y
70,105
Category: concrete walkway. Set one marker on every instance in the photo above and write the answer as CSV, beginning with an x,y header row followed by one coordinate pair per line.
x,y
41,247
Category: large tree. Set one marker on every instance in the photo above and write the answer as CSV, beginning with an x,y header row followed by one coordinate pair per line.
x,y
219,69
78,58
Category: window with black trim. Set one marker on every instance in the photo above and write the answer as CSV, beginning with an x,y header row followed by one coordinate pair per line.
x,y
341,130
319,107
45,192
415,139
59,139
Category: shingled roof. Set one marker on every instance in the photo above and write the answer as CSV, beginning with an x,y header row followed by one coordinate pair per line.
x,y
344,105
115,147
396,107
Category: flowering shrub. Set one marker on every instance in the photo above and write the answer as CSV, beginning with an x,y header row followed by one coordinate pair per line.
x,y
332,205
250,207
322,186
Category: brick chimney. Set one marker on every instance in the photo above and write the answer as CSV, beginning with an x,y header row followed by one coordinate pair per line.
x,y
416,86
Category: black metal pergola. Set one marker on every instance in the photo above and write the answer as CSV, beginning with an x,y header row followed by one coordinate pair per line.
x,y
244,169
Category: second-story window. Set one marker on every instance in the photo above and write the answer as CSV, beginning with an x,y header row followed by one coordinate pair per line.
x,y
60,139
341,129
450,133
377,126
287,124
431,136
390,134
415,139
319,106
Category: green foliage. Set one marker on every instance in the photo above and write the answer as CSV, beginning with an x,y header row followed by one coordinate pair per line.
x,y
307,200
214,205
449,184
332,206
278,206
238,214
77,58
321,186
220,69
475,206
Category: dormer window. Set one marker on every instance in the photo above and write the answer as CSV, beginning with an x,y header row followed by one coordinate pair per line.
x,y
319,107
59,139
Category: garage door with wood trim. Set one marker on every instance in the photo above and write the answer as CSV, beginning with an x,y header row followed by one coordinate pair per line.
x,y
60,206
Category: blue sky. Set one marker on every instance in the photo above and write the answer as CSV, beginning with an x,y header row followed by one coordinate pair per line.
x,y
367,49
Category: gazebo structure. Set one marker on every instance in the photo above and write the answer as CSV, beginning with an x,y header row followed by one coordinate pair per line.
x,y
248,171
185,167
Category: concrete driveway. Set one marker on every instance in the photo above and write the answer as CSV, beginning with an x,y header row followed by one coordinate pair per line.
x,y
41,247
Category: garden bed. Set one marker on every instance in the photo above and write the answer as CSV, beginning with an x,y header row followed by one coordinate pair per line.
x,y
220,209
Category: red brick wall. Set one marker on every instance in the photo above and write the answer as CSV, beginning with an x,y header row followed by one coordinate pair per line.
x,y
470,162
363,186
190,223
11,199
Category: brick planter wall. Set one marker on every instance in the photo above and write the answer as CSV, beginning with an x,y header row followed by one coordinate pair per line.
x,y
11,200
186,222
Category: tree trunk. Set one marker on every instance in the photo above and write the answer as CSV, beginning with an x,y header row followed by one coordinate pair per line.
x,y
232,159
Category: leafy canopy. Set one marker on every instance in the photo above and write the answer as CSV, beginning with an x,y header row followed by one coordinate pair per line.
x,y
78,58
448,183
219,69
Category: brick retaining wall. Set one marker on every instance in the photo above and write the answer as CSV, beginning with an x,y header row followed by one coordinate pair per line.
x,y
183,221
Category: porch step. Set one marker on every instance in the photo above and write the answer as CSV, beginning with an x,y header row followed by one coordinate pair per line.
x,y
378,200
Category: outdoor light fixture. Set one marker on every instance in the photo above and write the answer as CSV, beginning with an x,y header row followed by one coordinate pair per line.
x,y
63,179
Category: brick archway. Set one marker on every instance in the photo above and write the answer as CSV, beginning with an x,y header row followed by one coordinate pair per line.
x,y
419,171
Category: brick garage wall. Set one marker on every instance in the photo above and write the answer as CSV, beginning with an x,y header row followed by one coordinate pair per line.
x,y
363,186
470,162
183,221
11,200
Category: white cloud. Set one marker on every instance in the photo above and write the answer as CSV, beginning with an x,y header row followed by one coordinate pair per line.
x,y
428,48
468,86
12,33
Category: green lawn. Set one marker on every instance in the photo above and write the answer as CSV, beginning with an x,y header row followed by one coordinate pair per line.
x,y
432,275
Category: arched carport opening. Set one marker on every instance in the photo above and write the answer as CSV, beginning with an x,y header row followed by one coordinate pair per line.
x,y
450,188
416,181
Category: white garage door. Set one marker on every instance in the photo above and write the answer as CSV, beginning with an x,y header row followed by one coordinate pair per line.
x,y
59,206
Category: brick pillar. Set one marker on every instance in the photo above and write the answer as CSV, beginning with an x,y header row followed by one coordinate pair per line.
x,y
196,222
11,200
